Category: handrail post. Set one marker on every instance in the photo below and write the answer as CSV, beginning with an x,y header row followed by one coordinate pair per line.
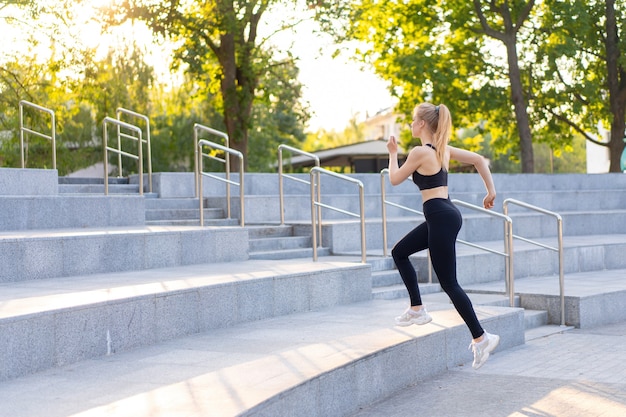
x,y
384,208
313,175
508,247
316,171
508,238
281,199
197,127
119,151
559,249
146,119
23,129
561,268
105,137
362,208
281,175
227,152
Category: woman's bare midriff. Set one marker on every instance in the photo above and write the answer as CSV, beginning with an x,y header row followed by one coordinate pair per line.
x,y
439,192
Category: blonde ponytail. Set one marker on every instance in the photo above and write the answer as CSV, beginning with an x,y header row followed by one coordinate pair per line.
x,y
439,121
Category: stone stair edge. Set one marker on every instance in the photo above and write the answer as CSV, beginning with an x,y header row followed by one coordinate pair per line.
x,y
328,355
114,286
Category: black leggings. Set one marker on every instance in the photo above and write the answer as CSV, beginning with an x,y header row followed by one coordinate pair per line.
x,y
438,233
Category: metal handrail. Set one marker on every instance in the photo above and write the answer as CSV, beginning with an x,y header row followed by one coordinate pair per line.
x,y
315,174
384,203
559,249
282,175
197,128
119,112
138,157
238,154
508,246
23,129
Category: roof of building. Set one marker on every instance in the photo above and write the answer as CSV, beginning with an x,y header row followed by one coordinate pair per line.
x,y
345,155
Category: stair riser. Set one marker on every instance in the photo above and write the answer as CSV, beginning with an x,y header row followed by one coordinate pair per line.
x,y
183,214
581,312
56,212
43,340
354,385
487,267
63,256
277,244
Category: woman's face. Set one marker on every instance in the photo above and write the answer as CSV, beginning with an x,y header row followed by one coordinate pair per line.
x,y
416,126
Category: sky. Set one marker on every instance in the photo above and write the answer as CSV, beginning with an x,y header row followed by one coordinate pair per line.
x,y
336,89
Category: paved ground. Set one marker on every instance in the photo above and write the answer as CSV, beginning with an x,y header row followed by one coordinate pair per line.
x,y
579,373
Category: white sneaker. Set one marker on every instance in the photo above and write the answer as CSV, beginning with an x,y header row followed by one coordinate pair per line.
x,y
483,349
411,316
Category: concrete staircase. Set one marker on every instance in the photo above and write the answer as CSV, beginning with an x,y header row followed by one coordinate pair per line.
x,y
117,305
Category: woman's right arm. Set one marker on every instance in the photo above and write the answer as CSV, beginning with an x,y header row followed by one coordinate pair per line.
x,y
398,174
482,166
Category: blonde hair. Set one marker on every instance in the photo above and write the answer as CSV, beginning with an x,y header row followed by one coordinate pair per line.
x,y
439,121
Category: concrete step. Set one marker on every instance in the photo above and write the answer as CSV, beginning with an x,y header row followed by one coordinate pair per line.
x,y
32,255
289,253
544,331
98,189
54,322
268,183
385,278
173,203
269,231
194,222
279,243
535,318
592,298
330,361
22,213
392,292
183,214
581,253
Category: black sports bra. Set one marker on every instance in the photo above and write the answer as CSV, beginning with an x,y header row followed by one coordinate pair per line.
x,y
426,182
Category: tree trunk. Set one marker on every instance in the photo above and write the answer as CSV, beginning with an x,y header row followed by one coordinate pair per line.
x,y
519,105
616,76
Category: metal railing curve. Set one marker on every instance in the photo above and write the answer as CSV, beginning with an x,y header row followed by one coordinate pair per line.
x,y
559,249
23,129
197,128
384,204
122,111
139,157
282,175
508,246
227,151
315,175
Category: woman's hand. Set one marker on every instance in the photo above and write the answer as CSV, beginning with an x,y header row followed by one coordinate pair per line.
x,y
488,200
392,145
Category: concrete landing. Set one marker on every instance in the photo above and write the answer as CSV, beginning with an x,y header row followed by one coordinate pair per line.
x,y
322,363
578,373
592,298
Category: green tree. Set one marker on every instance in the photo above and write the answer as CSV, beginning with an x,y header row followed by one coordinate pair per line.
x,y
585,80
449,52
278,115
220,46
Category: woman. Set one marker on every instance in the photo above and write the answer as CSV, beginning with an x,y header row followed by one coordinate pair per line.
x,y
428,166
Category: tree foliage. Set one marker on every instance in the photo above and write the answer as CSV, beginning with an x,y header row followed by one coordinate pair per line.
x,y
219,45
83,88
501,66
581,69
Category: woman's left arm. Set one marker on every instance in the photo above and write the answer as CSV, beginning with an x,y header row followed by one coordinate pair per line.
x,y
482,166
